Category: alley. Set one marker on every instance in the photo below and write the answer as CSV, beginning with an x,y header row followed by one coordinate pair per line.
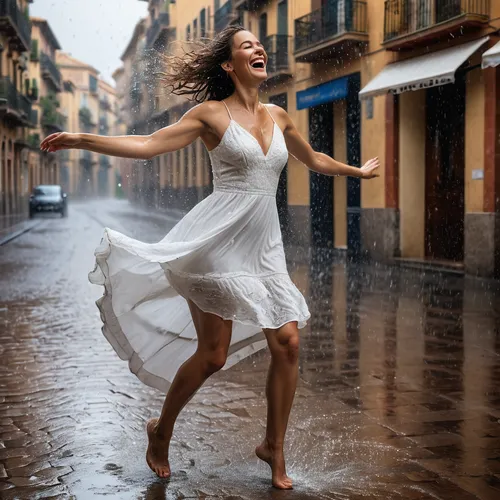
x,y
398,395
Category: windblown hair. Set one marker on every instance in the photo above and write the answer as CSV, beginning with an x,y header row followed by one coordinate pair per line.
x,y
198,73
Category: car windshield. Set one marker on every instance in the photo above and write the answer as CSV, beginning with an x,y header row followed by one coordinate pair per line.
x,y
48,190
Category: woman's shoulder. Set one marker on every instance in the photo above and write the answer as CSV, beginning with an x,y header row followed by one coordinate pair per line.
x,y
277,111
207,110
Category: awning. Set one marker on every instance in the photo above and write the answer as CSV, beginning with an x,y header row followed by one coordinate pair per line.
x,y
491,57
429,70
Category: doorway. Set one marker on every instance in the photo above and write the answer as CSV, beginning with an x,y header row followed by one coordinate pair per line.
x,y
321,187
353,132
445,165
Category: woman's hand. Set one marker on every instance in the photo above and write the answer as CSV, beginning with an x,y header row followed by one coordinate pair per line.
x,y
370,168
61,140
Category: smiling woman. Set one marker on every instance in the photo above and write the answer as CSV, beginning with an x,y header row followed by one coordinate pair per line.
x,y
216,288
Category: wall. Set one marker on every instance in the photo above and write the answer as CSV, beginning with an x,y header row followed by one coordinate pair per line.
x,y
412,131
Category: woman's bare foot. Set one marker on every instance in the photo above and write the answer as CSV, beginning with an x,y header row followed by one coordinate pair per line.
x,y
157,454
276,461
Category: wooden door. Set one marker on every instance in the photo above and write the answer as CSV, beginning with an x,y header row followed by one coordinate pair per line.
x,y
445,165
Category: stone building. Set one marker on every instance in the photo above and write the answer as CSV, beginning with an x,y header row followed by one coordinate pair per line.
x,y
17,118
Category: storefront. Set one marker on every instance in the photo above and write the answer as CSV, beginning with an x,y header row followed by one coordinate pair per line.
x,y
436,155
335,130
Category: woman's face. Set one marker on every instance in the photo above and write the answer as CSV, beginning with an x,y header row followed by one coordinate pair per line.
x,y
248,58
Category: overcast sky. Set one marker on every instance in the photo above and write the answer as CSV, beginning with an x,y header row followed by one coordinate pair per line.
x,y
94,31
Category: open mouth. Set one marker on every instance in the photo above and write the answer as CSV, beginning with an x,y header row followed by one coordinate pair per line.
x,y
258,65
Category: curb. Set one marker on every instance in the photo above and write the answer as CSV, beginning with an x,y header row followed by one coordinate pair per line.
x,y
26,226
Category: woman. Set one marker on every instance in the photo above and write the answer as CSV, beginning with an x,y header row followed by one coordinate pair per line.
x,y
181,309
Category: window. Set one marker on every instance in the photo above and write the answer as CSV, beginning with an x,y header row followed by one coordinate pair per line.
x,y
92,83
209,27
84,100
262,27
203,23
283,17
188,32
195,29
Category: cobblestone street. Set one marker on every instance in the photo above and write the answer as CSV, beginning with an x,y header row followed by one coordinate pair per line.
x,y
398,398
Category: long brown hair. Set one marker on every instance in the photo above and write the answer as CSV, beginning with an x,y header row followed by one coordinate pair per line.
x,y
198,73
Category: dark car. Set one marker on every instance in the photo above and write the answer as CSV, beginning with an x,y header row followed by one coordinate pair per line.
x,y
48,198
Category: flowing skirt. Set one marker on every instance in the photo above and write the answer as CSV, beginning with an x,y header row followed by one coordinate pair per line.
x,y
226,255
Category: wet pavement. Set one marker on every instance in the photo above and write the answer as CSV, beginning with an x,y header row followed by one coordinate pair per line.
x,y
398,398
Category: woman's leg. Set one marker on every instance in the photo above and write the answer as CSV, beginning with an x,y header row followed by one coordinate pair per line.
x,y
214,337
280,391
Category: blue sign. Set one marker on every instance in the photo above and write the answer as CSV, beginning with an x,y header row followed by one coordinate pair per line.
x,y
326,92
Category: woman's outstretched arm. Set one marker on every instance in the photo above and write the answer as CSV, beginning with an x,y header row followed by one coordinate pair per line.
x,y
171,138
319,162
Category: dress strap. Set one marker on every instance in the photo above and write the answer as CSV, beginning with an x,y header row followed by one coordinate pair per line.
x,y
267,109
228,112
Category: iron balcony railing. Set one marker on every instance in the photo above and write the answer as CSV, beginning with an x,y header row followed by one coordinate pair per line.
x,y
333,19
160,23
50,69
278,51
14,23
224,16
11,100
54,120
251,5
404,17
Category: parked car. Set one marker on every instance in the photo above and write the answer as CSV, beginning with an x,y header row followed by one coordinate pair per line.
x,y
48,198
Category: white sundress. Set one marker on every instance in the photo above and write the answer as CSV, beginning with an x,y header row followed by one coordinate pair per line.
x,y
226,255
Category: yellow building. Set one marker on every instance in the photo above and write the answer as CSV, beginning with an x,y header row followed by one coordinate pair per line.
x,y
397,79
108,173
45,83
16,113
131,90
80,103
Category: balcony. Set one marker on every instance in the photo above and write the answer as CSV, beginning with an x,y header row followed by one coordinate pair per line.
x,y
104,104
54,121
50,71
410,24
14,105
278,49
34,141
157,34
321,34
225,16
86,119
103,125
15,25
250,5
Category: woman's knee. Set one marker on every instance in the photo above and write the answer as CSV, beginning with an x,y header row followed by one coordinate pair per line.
x,y
286,343
213,360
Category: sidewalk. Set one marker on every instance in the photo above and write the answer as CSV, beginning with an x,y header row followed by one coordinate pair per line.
x,y
10,231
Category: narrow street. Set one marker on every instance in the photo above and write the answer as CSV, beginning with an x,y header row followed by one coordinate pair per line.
x,y
398,398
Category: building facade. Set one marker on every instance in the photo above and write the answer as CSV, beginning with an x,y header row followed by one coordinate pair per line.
x,y
91,106
17,118
401,80
45,86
